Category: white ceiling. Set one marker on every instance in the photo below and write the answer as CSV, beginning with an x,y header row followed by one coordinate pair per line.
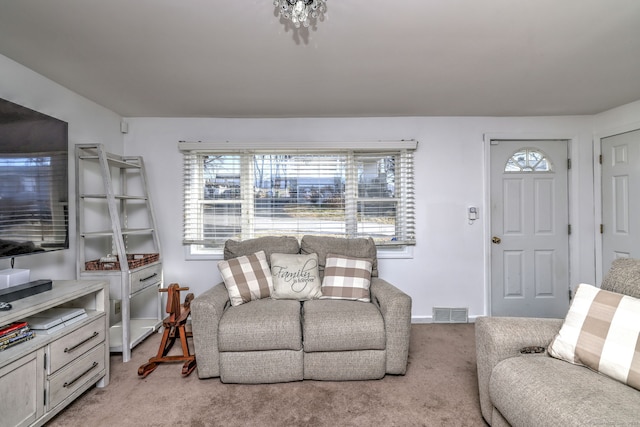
x,y
206,58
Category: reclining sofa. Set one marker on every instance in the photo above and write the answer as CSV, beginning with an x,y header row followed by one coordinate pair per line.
x,y
520,386
270,340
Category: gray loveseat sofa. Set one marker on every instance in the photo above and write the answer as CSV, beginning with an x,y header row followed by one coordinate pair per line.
x,y
278,340
537,390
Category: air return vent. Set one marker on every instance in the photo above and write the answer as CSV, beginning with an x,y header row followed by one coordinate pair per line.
x,y
450,315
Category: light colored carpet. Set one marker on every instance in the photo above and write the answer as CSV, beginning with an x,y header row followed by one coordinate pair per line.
x,y
439,389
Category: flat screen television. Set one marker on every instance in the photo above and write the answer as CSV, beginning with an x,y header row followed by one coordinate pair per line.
x,y
34,182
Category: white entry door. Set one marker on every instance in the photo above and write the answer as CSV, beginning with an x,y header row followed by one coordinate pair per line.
x,y
530,228
620,197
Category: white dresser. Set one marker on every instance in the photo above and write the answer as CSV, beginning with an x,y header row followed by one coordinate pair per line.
x,y
40,377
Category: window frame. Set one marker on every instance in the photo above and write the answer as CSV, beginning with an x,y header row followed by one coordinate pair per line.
x,y
404,200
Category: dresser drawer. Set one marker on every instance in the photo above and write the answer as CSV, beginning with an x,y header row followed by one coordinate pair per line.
x,y
74,376
73,345
146,277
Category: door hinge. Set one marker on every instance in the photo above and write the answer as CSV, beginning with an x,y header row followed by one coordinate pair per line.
x,y
44,394
601,228
45,361
569,229
600,158
570,296
568,163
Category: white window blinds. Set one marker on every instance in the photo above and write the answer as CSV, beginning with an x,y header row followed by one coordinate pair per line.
x,y
336,191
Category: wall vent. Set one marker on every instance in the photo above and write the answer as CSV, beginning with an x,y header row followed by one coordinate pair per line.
x,y
450,315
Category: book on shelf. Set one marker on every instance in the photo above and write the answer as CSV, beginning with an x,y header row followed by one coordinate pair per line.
x,y
20,338
6,337
7,329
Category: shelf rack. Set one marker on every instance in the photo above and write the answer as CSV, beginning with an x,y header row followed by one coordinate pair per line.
x,y
115,217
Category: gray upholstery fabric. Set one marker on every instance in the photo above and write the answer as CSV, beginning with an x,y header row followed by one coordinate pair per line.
x,y
268,244
333,325
557,393
497,420
262,341
542,391
323,245
395,307
206,312
623,277
344,365
498,338
261,367
264,324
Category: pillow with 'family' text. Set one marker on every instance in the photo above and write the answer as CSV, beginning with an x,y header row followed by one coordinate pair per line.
x,y
602,331
295,276
246,278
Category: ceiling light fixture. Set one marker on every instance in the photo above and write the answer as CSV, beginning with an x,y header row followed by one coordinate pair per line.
x,y
301,12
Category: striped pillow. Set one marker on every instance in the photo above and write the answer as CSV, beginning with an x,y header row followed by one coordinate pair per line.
x,y
347,278
247,278
602,331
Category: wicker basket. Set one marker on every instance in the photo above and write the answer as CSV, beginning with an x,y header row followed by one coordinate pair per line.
x,y
134,261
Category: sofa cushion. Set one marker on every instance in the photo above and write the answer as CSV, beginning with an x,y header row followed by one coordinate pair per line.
x,y
295,276
347,278
268,244
333,325
345,365
536,390
623,277
602,331
246,278
265,324
261,367
324,245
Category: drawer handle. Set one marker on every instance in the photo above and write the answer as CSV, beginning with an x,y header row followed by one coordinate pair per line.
x,y
70,349
149,277
70,383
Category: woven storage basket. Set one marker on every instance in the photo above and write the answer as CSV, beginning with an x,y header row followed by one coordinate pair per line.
x,y
134,261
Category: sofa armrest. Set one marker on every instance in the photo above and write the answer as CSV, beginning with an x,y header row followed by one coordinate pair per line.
x,y
206,312
395,307
499,338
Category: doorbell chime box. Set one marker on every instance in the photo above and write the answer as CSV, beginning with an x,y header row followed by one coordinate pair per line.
x,y
13,277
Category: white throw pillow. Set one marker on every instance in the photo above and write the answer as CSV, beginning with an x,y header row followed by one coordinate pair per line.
x,y
295,277
247,278
602,331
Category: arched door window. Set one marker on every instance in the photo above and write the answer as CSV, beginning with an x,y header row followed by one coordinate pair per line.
x,y
528,160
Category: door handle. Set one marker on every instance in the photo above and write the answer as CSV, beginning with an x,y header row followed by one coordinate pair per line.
x,y
496,240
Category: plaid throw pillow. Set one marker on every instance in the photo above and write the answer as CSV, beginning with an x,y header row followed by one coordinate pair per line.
x,y
247,278
602,331
347,278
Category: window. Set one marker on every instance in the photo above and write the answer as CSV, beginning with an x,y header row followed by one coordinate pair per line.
x,y
333,191
528,160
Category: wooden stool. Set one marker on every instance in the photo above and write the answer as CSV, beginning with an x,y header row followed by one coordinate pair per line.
x,y
174,327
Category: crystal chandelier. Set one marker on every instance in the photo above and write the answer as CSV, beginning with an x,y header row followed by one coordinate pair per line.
x,y
300,12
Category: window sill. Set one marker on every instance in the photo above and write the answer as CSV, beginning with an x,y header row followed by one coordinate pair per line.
x,y
405,252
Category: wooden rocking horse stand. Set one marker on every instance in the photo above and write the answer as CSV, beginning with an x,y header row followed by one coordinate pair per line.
x,y
174,327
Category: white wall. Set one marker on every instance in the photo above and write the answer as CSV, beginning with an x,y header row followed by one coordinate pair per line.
x,y
449,263
88,123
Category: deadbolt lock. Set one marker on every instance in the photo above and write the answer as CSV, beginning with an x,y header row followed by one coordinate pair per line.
x,y
496,240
